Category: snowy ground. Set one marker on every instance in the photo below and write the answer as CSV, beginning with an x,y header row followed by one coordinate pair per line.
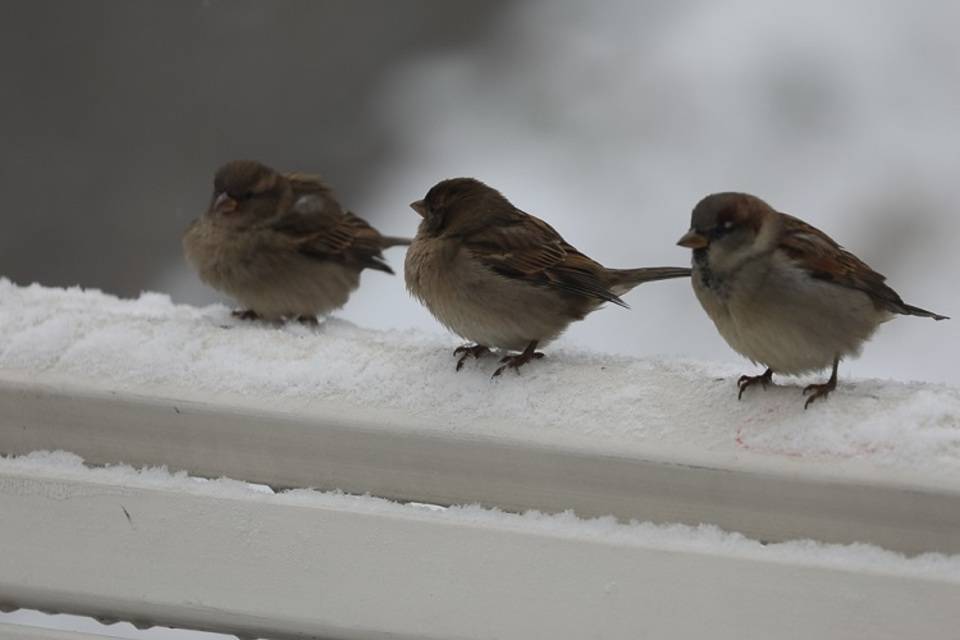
x,y
606,403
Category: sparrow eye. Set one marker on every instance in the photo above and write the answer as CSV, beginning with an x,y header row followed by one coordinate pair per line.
x,y
723,229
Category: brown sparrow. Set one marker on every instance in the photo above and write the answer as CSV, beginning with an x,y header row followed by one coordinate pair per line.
x,y
502,278
783,293
280,244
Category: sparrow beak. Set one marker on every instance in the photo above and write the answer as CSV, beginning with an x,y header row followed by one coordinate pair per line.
x,y
419,207
693,240
224,204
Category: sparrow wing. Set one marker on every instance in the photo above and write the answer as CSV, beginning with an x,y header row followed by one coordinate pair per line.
x,y
322,230
523,247
825,259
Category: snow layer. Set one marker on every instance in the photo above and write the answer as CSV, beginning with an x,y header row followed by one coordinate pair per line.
x,y
705,539
602,402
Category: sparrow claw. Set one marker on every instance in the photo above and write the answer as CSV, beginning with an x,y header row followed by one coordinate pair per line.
x,y
517,361
476,350
308,321
817,392
748,381
245,314
501,369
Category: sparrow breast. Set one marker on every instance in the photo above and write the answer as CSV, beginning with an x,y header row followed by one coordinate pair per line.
x,y
479,305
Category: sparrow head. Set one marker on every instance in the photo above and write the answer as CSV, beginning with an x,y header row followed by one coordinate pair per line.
x,y
727,228
459,204
244,191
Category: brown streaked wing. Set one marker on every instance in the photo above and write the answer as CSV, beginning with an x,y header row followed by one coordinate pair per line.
x,y
307,182
322,230
825,259
527,248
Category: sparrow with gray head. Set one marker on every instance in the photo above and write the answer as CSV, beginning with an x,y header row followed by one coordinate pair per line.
x,y
783,293
280,244
503,278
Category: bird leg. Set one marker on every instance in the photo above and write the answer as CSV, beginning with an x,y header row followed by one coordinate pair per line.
x,y
245,314
477,351
517,361
748,381
308,321
818,391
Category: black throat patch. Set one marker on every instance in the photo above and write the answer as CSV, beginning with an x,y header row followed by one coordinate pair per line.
x,y
702,264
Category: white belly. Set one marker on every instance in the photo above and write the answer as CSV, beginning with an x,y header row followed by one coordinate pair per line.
x,y
268,278
479,305
789,322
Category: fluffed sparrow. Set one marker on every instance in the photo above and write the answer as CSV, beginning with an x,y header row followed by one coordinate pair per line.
x,y
783,293
503,278
281,244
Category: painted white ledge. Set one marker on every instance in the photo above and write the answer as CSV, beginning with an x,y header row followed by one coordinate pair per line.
x,y
146,382
22,632
387,454
220,556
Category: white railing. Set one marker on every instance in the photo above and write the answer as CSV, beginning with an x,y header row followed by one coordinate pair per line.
x,y
388,455
155,548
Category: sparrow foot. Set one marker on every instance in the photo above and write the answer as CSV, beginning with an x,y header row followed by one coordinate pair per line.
x,y
818,391
748,381
477,351
517,361
308,321
245,314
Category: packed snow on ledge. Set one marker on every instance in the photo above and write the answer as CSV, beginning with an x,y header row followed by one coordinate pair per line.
x,y
603,401
706,539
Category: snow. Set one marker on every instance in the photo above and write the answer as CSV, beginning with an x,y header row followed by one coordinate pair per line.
x,y
598,402
705,539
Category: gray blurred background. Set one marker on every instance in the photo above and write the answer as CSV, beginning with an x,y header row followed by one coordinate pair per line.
x,y
608,119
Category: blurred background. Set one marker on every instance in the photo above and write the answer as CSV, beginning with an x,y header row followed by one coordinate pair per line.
x,y
609,119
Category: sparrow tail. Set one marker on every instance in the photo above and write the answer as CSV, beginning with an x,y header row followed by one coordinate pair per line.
x,y
378,264
909,310
623,280
393,241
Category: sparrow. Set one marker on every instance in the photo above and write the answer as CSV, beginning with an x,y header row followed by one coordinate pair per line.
x,y
783,293
280,244
502,278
